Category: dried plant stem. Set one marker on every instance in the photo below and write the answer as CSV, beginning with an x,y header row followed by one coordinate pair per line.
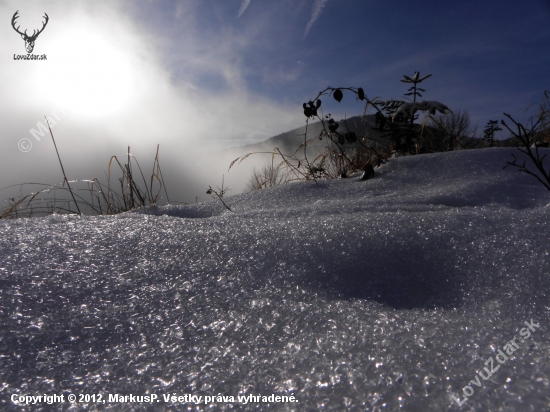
x,y
220,194
62,169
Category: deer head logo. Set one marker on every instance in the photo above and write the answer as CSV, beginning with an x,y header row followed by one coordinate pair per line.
x,y
29,40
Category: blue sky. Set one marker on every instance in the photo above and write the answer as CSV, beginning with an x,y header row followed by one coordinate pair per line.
x,y
190,75
485,57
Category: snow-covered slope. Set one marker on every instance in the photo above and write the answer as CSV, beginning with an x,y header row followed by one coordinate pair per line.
x,y
390,294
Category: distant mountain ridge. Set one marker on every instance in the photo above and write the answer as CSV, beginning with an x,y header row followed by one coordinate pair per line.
x,y
289,141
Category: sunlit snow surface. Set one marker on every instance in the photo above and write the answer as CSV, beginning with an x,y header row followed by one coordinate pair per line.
x,y
388,294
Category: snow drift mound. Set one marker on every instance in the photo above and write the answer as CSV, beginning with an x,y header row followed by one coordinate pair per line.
x,y
436,181
389,294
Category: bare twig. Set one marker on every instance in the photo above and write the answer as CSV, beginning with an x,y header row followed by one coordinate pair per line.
x,y
528,138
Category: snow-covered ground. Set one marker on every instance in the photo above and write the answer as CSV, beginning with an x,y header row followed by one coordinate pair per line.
x,y
390,294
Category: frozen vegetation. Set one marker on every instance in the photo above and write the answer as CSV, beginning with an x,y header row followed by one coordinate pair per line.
x,y
384,295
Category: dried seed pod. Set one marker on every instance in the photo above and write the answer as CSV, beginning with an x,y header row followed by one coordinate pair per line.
x,y
350,137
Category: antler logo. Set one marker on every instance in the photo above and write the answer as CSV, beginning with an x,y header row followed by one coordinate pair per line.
x,y
29,40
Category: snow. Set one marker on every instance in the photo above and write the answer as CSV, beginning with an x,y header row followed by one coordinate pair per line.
x,y
408,110
388,294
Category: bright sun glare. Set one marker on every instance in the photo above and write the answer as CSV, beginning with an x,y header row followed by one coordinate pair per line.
x,y
89,75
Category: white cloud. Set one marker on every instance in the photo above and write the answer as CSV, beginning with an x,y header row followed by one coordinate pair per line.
x,y
315,14
283,74
244,5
